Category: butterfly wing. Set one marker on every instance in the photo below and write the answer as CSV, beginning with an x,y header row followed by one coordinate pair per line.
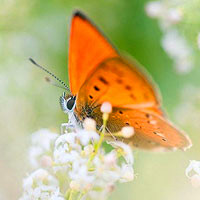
x,y
87,48
152,131
120,83
97,74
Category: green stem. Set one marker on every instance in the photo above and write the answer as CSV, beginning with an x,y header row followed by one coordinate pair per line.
x,y
67,193
81,195
98,145
71,195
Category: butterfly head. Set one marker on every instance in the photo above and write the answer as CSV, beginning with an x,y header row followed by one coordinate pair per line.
x,y
67,102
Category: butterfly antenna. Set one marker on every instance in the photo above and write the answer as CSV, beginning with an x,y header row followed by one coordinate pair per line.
x,y
51,74
50,81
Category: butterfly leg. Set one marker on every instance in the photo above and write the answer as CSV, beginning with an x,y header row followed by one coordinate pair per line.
x,y
108,132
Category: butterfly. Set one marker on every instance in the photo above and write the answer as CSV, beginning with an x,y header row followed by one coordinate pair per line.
x,y
99,73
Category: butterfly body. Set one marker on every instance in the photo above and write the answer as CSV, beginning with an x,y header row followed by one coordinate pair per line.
x,y
97,74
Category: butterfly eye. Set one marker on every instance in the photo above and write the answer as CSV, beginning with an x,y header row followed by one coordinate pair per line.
x,y
71,103
67,105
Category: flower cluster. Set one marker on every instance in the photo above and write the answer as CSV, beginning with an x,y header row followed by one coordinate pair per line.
x,y
172,16
41,185
41,150
74,165
193,173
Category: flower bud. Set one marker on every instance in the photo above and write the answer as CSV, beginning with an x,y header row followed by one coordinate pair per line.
x,y
74,185
88,149
89,124
106,107
46,161
127,131
154,9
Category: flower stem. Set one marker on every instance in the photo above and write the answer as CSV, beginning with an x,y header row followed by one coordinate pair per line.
x,y
67,193
71,195
81,195
102,134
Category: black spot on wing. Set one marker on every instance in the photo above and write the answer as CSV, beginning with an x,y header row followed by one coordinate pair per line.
x,y
96,88
132,96
128,87
103,80
147,115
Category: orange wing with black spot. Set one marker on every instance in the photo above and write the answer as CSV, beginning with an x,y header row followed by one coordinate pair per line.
x,y
120,83
151,131
98,73
87,48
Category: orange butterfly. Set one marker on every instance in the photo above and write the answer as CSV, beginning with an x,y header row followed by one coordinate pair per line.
x,y
97,74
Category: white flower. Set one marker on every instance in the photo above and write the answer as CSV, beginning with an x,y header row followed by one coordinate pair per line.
x,y
194,167
74,167
127,131
110,159
74,185
178,49
193,173
107,169
86,136
174,15
66,150
127,173
89,124
106,107
68,147
154,9
41,185
46,161
169,14
72,152
183,65
42,142
43,138
88,150
175,45
127,151
80,174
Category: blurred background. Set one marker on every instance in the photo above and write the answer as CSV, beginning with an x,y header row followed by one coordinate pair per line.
x,y
163,36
